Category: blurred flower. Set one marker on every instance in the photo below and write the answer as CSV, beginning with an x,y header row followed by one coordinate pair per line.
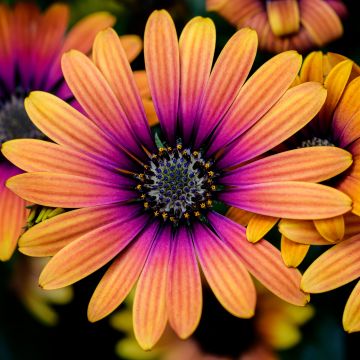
x,y
149,202
37,301
285,24
31,45
275,326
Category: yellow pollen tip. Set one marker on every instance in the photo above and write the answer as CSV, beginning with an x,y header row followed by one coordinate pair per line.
x,y
186,215
179,147
209,203
213,187
156,213
211,173
138,187
169,148
203,205
172,219
146,205
197,213
207,165
164,215
195,153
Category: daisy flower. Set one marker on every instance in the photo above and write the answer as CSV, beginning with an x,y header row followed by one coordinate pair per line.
x,y
31,45
336,125
285,24
149,201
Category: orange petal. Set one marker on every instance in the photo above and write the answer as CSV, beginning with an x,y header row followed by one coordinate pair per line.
x,y
80,37
55,117
142,84
132,45
163,69
292,112
335,84
352,224
12,214
262,259
240,216
351,131
284,17
257,96
321,21
293,253
150,308
336,267
225,273
110,57
197,45
50,236
89,252
184,286
332,229
227,77
301,231
67,191
259,226
150,112
348,106
351,317
97,98
313,164
289,199
50,158
312,68
121,276
350,186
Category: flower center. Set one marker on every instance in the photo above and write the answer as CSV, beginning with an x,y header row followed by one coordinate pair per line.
x,y
177,184
315,141
14,122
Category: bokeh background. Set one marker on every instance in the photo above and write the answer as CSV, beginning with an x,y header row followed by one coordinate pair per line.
x,y
22,337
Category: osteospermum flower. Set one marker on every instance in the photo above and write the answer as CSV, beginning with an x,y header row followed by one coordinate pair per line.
x,y
31,45
149,202
336,125
285,24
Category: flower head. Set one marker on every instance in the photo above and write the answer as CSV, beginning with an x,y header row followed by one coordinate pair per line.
x,y
149,202
285,24
31,45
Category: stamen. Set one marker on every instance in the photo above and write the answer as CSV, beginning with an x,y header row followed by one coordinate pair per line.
x,y
315,141
177,183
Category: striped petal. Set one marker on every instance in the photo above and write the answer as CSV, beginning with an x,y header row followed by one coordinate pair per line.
x,y
284,16
66,191
336,267
142,84
256,97
332,229
80,37
301,231
150,308
351,131
50,236
227,77
351,317
110,57
51,157
184,286
335,84
12,213
292,112
240,216
259,226
55,117
49,36
313,164
89,252
7,64
293,253
121,276
197,45
225,273
262,260
312,68
350,186
289,199
163,69
348,106
321,21
352,224
97,98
